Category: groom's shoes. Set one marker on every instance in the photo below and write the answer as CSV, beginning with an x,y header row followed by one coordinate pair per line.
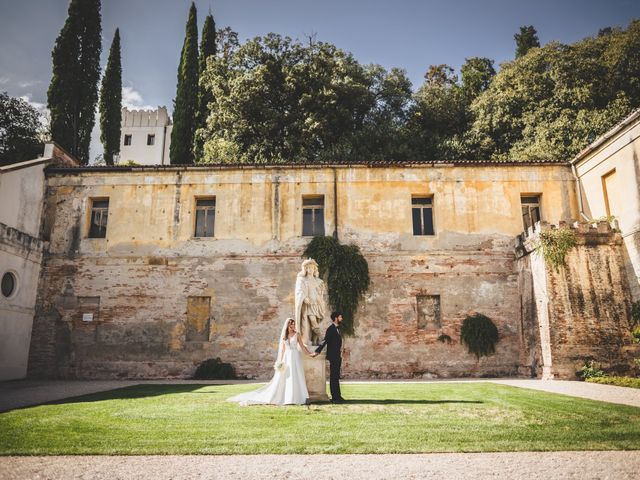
x,y
338,400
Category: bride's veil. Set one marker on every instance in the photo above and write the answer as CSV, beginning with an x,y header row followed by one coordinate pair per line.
x,y
281,338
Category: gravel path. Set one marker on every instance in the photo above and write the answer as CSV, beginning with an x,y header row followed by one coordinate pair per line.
x,y
521,465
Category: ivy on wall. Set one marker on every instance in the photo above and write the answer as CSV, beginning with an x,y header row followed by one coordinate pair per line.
x,y
555,244
479,334
346,272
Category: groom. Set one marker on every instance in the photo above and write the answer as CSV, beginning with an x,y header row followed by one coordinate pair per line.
x,y
333,341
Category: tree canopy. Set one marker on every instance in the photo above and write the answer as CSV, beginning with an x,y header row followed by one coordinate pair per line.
x,y
20,130
73,92
186,102
278,100
555,100
111,102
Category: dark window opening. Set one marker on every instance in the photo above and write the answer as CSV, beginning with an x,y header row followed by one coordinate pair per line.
x,y
422,215
530,211
99,216
8,284
313,216
205,217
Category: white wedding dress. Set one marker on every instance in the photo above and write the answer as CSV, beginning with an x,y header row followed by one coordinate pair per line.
x,y
288,385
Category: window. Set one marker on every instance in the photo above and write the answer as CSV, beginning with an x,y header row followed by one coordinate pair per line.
x,y
205,217
610,193
99,214
8,284
530,210
313,216
429,312
198,319
151,139
127,140
422,213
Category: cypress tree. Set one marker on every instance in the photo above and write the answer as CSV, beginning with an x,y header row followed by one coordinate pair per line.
x,y
111,102
205,96
526,40
73,92
186,102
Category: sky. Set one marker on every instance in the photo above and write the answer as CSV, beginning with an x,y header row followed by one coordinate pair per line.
x,y
408,34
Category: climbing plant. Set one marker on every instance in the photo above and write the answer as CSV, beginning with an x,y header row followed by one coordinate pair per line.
x,y
479,334
346,273
555,244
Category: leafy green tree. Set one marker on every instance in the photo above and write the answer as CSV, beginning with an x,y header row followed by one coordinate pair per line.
x,y
20,130
438,118
477,73
208,48
278,100
111,102
526,40
186,102
73,92
555,100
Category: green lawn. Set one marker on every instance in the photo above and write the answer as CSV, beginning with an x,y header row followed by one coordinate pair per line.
x,y
380,418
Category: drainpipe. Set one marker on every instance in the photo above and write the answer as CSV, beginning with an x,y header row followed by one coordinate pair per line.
x,y
579,191
164,137
335,204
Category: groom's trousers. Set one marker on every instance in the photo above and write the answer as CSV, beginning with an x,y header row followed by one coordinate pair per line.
x,y
334,378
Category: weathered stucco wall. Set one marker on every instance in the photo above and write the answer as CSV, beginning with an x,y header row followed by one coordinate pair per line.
x,y
149,283
582,311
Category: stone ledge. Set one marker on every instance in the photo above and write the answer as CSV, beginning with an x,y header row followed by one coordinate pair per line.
x,y
587,233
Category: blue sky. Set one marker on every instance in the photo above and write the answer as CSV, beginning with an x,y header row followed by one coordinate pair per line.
x,y
408,34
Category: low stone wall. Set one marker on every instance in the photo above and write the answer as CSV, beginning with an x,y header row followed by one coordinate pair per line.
x,y
582,310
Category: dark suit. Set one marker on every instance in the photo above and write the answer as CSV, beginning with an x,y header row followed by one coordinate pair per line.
x,y
333,341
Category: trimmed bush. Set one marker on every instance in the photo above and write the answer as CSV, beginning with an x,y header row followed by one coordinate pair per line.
x,y
215,369
479,334
619,381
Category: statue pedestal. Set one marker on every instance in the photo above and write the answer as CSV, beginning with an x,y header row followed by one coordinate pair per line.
x,y
316,376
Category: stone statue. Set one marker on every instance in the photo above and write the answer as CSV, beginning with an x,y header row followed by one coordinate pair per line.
x,y
309,302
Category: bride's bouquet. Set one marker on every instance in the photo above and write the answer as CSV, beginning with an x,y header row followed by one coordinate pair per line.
x,y
279,366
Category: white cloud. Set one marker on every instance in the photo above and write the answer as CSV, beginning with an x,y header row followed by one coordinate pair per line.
x,y
132,99
4,80
29,83
45,114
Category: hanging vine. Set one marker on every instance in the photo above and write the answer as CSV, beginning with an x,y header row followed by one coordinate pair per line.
x,y
346,273
555,244
479,334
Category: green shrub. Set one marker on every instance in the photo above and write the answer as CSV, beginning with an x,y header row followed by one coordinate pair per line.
x,y
444,338
590,370
635,335
480,335
635,314
619,381
215,369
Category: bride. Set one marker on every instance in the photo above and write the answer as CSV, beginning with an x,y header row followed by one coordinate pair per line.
x,y
288,385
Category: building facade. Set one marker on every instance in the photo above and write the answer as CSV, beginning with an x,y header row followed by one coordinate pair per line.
x,y
22,192
150,271
609,178
145,137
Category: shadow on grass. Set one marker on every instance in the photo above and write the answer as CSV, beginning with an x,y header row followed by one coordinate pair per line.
x,y
390,401
135,391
